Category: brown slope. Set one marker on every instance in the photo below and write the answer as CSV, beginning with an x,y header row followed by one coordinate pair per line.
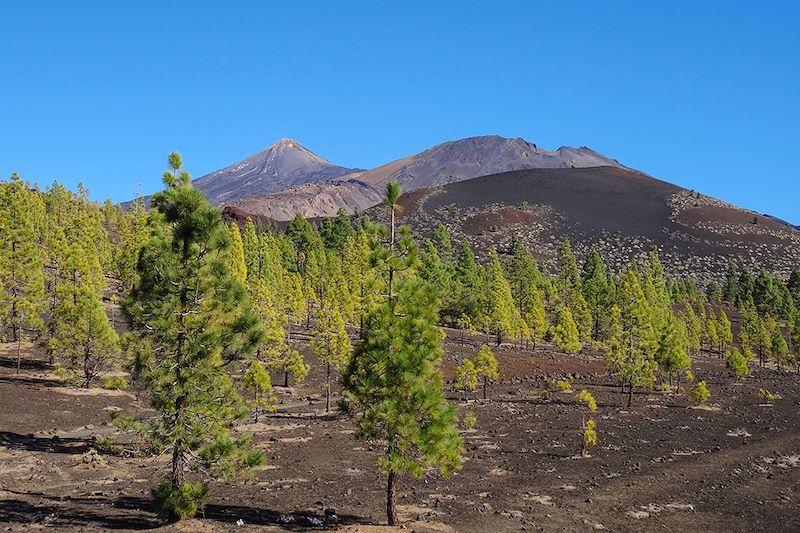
x,y
622,212
314,200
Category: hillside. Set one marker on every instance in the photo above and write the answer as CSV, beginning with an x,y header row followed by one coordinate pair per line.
x,y
312,200
620,211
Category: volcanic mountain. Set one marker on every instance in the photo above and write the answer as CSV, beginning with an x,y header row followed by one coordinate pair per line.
x,y
472,157
620,211
448,162
280,166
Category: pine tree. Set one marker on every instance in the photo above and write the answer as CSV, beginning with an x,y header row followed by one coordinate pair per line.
x,y
21,278
330,341
569,280
197,317
724,332
794,336
501,314
589,436
82,340
737,363
486,366
252,251
693,329
594,285
133,235
565,334
466,377
236,255
730,289
780,350
393,386
615,344
257,380
673,348
637,366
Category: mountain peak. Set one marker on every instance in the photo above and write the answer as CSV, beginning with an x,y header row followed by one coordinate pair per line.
x,y
286,142
282,165
472,157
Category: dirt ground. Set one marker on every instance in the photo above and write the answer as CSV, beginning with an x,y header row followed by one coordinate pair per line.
x,y
664,464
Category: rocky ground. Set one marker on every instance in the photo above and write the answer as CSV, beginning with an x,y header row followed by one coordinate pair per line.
x,y
664,464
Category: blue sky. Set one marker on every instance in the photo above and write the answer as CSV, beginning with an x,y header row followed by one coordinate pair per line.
x,y
703,94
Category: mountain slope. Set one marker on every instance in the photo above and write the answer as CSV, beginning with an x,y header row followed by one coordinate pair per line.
x,y
280,166
621,212
472,157
313,200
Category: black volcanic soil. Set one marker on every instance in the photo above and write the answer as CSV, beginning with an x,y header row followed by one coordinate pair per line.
x,y
733,465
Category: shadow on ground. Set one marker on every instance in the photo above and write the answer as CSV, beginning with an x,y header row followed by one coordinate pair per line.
x,y
134,513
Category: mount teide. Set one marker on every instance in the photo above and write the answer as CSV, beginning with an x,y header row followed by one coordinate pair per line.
x,y
280,166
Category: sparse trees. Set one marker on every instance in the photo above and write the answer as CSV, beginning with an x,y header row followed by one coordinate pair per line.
x,y
81,340
21,280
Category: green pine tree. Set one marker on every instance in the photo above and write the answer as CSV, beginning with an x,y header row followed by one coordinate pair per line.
x,y
501,314
330,341
565,333
466,377
23,299
393,386
486,366
236,255
196,316
82,340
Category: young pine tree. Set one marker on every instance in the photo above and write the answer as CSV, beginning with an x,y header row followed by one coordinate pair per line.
x,y
565,334
256,380
502,314
589,436
466,377
393,386
330,341
486,366
82,341
737,363
196,316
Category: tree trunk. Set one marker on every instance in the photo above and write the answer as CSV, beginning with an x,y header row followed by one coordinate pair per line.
x,y
391,493
485,379
328,391
630,392
285,379
19,353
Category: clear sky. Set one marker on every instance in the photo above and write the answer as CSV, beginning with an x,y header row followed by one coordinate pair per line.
x,y
703,94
